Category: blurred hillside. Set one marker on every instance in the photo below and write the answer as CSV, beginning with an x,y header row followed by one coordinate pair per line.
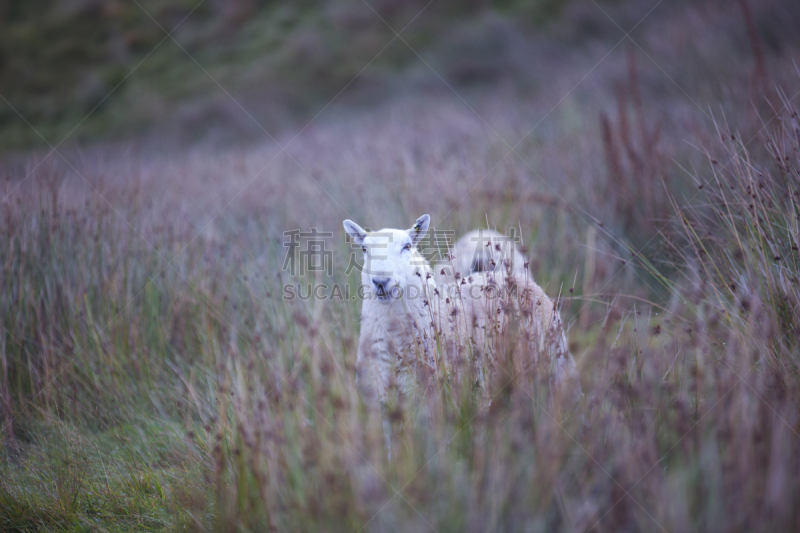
x,y
106,69
64,59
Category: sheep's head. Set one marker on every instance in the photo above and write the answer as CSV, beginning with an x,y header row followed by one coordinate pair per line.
x,y
392,266
485,250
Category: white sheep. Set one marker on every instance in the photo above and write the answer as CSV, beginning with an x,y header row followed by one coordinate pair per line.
x,y
405,316
485,250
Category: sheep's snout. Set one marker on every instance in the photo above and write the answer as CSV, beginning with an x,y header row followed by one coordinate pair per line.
x,y
383,288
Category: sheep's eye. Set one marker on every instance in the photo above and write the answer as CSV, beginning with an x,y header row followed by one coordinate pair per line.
x,y
407,246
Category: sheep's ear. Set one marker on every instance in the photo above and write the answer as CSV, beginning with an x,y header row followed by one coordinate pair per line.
x,y
420,228
356,232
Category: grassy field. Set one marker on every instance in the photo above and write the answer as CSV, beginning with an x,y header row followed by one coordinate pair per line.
x,y
152,376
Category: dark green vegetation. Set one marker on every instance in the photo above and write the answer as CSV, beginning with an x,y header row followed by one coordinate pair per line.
x,y
60,59
152,377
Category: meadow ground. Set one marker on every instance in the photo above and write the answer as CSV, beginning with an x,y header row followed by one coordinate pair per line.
x,y
154,377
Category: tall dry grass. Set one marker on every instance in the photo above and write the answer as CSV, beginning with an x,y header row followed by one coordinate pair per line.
x,y
155,380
